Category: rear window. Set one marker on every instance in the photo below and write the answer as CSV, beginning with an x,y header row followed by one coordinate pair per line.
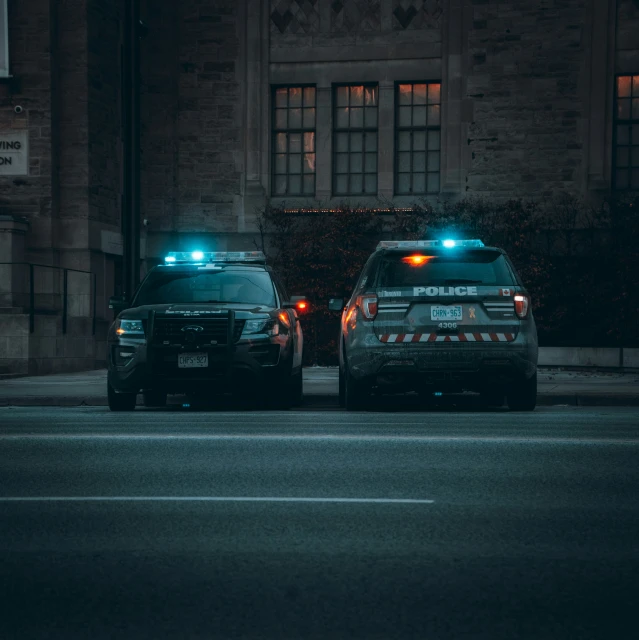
x,y
464,267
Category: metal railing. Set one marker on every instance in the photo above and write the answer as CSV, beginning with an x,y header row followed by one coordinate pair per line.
x,y
56,298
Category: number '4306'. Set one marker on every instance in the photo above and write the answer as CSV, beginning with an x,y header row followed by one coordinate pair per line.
x,y
447,325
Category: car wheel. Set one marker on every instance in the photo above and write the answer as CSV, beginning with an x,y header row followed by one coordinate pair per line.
x,y
355,393
491,399
522,396
154,398
120,401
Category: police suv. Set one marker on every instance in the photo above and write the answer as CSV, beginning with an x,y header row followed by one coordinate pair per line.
x,y
436,317
203,324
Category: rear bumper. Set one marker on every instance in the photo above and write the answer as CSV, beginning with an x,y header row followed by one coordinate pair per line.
x,y
456,365
257,362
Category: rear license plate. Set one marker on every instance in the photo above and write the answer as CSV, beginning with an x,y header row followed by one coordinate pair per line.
x,y
192,360
446,313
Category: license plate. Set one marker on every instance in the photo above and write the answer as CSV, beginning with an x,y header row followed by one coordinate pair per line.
x,y
192,360
446,313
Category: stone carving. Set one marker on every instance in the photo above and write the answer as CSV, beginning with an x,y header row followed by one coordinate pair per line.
x,y
352,16
416,14
294,16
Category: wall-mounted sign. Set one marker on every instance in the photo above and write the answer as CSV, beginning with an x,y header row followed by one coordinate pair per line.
x,y
4,40
14,153
112,242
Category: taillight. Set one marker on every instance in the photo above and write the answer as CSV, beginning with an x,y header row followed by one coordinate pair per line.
x,y
521,305
368,305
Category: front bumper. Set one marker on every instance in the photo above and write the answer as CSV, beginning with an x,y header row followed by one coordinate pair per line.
x,y
260,360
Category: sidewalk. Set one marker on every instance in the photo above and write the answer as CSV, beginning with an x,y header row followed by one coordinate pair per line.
x,y
320,388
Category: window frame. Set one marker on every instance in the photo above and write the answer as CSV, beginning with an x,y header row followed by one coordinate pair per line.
x,y
5,62
301,130
363,130
633,123
396,133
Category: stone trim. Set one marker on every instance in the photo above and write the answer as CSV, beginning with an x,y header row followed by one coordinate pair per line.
x,y
454,128
601,88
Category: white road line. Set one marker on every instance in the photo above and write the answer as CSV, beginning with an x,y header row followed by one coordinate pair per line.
x,y
210,499
326,436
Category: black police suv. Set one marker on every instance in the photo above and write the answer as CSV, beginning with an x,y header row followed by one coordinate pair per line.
x,y
204,324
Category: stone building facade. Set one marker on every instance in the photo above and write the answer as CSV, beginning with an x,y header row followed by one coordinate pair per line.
x,y
305,103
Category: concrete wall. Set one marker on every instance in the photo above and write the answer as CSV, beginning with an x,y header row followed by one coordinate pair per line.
x,y
66,76
31,33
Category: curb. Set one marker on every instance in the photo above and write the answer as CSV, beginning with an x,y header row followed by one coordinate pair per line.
x,y
330,401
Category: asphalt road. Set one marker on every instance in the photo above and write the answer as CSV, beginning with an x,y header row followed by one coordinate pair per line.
x,y
330,525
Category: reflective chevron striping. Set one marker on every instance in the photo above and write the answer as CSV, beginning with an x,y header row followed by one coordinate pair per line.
x,y
404,338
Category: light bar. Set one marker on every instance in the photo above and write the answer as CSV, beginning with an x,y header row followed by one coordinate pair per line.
x,y
199,257
427,244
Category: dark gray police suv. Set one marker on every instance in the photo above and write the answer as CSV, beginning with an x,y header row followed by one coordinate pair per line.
x,y
206,324
436,317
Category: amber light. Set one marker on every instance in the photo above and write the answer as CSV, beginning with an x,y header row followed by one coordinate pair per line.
x,y
284,319
302,306
120,331
416,260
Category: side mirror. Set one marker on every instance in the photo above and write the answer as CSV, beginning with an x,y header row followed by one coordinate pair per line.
x,y
118,303
299,303
336,304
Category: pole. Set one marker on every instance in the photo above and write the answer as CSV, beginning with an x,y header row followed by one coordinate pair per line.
x,y
131,144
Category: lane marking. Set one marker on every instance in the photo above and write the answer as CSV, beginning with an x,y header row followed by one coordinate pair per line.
x,y
328,436
211,499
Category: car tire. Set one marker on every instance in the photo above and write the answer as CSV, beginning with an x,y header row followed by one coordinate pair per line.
x,y
522,396
342,388
297,389
355,393
491,399
120,401
154,398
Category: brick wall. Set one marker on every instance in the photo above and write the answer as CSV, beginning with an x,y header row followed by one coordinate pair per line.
x,y
191,136
159,108
627,40
104,110
525,80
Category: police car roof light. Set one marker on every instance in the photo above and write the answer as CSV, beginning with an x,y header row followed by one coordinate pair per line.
x,y
214,256
427,244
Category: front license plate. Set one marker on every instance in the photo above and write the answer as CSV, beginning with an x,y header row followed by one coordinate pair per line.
x,y
192,360
446,313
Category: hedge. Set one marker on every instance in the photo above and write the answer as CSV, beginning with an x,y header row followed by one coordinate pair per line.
x,y
579,262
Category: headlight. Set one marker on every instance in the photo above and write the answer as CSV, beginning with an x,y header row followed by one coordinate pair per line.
x,y
266,325
129,328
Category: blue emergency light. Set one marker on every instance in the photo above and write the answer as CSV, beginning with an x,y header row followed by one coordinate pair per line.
x,y
428,244
175,257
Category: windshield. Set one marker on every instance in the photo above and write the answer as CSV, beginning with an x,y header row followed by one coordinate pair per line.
x,y
184,287
467,267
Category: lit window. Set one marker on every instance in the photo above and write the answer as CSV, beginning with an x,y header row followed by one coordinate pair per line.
x,y
626,173
417,138
293,158
355,140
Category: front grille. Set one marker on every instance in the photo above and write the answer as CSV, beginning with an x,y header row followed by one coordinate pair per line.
x,y
211,330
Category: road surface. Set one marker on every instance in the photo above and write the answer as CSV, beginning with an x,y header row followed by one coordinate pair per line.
x,y
304,524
